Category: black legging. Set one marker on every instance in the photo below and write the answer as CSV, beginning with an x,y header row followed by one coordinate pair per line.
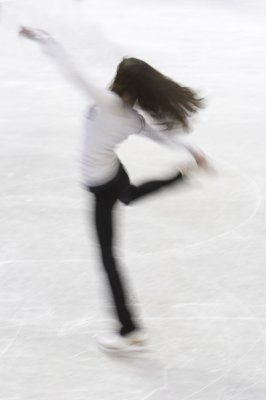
x,y
106,197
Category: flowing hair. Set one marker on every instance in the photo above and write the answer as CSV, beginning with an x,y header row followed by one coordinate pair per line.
x,y
167,102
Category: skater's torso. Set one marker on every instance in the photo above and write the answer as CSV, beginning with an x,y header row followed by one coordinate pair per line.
x,y
104,131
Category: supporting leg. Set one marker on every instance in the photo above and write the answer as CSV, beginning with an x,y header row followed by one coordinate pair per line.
x,y
104,228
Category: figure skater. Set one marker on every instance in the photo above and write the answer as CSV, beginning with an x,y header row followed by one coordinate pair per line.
x,y
110,121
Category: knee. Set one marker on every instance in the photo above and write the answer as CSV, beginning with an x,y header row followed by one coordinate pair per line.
x,y
107,254
133,193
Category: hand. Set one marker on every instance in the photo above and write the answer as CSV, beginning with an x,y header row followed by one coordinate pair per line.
x,y
34,34
201,159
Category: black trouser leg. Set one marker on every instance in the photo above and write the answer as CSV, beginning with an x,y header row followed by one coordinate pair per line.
x,y
104,228
105,199
152,186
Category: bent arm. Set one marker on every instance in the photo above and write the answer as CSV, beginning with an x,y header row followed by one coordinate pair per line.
x,y
166,139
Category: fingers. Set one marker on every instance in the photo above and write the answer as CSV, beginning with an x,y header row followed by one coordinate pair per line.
x,y
25,31
201,159
29,33
35,34
203,162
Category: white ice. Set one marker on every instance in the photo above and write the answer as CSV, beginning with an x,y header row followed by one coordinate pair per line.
x,y
195,258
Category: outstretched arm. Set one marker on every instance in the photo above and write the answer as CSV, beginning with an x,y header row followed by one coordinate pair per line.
x,y
173,142
103,97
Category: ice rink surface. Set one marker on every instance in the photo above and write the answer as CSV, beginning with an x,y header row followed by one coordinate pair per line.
x,y
194,257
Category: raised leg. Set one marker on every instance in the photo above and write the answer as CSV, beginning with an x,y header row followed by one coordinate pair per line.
x,y
150,187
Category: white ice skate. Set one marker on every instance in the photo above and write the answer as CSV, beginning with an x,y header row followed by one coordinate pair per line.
x,y
134,341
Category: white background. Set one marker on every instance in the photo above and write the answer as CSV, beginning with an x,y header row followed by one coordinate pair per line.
x,y
194,257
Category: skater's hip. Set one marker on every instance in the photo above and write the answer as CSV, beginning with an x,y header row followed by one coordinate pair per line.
x,y
118,187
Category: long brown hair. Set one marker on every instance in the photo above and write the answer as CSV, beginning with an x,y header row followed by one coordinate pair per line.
x,y
167,102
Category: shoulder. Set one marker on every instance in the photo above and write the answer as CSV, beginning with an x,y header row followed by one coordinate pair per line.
x,y
113,102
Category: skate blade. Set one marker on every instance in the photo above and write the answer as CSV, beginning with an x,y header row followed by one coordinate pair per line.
x,y
134,348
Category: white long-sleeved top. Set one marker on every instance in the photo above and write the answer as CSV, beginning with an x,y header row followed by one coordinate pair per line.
x,y
109,122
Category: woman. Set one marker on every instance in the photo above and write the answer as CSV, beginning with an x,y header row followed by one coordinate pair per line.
x,y
110,121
